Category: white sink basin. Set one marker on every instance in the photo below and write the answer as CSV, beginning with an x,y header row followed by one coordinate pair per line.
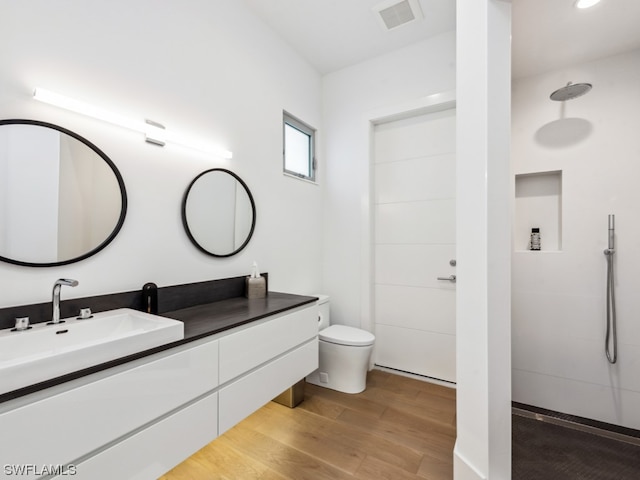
x,y
48,351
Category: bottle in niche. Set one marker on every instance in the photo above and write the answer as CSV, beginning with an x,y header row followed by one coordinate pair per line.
x,y
534,243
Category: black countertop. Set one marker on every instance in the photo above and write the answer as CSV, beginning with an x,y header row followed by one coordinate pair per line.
x,y
208,319
199,321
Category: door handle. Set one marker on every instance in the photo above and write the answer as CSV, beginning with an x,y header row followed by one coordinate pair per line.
x,y
451,278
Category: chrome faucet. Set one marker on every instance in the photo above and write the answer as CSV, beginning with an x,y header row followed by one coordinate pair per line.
x,y
55,318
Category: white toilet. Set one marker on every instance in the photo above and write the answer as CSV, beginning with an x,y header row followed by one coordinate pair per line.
x,y
344,354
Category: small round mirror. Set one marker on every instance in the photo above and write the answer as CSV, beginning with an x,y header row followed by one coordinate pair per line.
x,y
218,213
61,198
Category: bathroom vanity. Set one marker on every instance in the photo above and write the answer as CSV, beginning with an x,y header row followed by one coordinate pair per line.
x,y
141,415
103,387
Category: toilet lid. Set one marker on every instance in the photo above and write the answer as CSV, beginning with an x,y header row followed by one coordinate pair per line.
x,y
343,335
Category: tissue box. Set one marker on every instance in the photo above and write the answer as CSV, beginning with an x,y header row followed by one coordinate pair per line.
x,y
255,287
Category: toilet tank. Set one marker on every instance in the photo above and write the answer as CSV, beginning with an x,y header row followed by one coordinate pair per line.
x,y
323,311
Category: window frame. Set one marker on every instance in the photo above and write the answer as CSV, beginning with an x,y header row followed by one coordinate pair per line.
x,y
296,123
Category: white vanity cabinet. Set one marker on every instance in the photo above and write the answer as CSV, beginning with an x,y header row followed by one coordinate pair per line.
x,y
73,421
140,419
260,362
156,449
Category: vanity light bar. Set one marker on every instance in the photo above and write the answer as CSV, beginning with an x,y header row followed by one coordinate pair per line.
x,y
77,106
155,133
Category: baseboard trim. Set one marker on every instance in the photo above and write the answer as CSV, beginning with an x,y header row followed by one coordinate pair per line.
x,y
463,469
424,378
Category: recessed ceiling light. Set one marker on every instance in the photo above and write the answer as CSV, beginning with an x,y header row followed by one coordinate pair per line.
x,y
586,3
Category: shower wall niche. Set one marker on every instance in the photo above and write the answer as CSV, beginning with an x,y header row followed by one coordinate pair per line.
x,y
538,204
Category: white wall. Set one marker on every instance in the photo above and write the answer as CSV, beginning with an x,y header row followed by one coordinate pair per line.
x,y
205,68
352,97
559,297
483,367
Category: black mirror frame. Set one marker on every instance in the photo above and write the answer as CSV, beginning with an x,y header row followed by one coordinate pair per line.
x,y
184,213
116,172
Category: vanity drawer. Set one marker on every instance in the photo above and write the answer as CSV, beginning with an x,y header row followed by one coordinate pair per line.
x,y
157,449
248,348
241,398
71,423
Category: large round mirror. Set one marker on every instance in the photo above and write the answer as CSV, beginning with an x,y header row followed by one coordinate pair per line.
x,y
218,213
61,198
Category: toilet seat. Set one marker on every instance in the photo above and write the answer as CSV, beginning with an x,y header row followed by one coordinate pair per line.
x,y
344,335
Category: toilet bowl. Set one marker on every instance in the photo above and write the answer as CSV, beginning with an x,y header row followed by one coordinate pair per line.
x,y
344,354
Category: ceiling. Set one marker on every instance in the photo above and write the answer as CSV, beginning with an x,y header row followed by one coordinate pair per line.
x,y
547,34
333,34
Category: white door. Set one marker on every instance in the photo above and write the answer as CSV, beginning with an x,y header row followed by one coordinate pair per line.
x,y
414,244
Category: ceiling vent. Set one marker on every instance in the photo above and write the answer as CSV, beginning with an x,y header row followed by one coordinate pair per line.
x,y
393,13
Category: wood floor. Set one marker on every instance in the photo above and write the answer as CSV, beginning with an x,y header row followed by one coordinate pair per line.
x,y
399,428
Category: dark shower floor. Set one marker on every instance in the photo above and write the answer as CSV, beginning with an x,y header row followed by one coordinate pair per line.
x,y
544,451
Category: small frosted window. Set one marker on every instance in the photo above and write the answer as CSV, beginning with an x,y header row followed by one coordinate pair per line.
x,y
298,148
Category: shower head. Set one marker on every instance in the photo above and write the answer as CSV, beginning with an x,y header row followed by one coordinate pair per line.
x,y
570,91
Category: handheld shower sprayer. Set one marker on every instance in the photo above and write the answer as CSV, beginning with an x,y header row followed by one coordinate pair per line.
x,y
612,228
611,339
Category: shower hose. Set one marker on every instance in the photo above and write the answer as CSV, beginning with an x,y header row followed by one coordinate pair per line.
x,y
611,340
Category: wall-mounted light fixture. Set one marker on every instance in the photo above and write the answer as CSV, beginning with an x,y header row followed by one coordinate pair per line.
x,y
155,132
